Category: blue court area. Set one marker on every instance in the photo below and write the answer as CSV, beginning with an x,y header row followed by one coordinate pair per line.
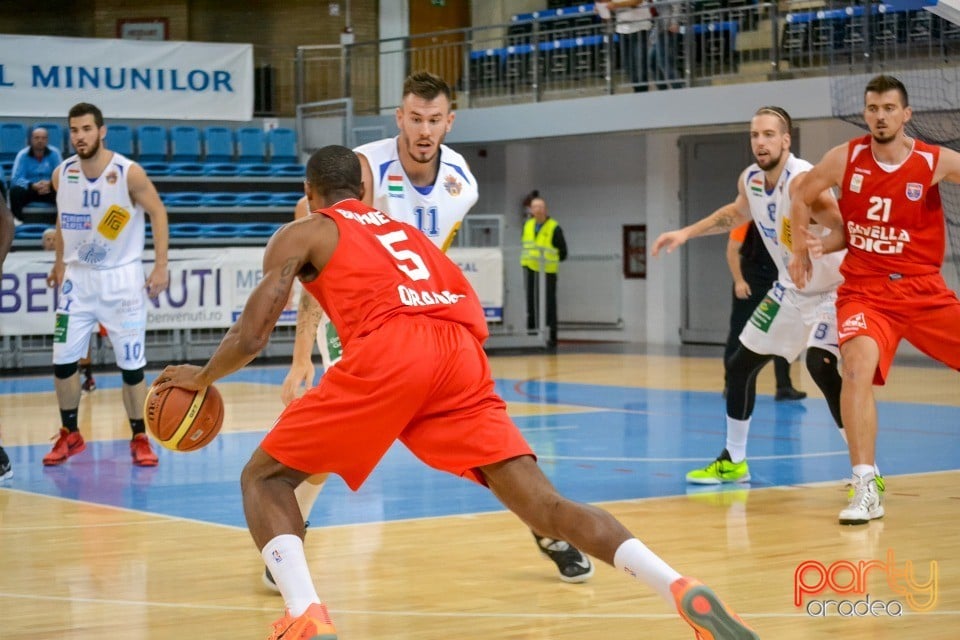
x,y
597,443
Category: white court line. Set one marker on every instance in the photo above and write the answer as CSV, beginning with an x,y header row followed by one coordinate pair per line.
x,y
59,527
557,428
420,614
822,454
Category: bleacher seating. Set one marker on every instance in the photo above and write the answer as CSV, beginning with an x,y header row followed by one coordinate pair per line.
x,y
152,143
282,145
203,176
219,144
55,134
184,144
13,137
120,139
251,146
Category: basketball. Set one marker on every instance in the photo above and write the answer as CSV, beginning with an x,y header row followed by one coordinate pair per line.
x,y
183,420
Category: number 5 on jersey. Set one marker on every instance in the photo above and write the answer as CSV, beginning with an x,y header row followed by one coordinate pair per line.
x,y
408,261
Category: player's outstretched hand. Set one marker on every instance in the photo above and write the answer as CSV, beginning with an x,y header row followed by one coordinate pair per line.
x,y
669,241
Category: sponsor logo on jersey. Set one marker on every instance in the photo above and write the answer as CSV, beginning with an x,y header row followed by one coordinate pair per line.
x,y
395,186
91,253
852,325
112,177
75,222
914,191
113,222
452,185
856,183
876,239
865,172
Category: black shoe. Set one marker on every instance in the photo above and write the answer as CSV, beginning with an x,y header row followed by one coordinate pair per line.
x,y
789,393
574,566
6,469
267,577
89,384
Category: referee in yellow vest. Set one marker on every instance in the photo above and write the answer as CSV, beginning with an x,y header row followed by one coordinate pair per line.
x,y
543,248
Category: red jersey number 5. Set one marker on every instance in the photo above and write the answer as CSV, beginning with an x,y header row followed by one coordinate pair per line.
x,y
407,261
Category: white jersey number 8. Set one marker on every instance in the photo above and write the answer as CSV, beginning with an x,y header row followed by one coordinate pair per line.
x,y
405,257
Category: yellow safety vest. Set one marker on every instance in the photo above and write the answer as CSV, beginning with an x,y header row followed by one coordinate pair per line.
x,y
534,243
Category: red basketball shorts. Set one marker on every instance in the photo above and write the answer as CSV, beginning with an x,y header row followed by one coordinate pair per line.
x,y
424,382
920,309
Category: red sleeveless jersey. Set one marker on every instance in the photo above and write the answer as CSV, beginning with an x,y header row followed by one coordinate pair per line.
x,y
383,268
893,219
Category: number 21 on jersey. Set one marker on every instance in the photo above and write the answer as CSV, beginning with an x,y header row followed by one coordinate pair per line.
x,y
879,210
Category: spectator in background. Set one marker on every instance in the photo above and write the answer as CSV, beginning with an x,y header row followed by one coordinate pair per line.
x,y
754,273
544,248
32,168
662,53
633,24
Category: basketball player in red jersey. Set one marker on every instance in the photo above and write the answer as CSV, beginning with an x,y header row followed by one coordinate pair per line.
x,y
386,286
893,229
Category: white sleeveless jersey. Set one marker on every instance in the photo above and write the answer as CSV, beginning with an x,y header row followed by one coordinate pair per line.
x,y
102,227
437,210
771,214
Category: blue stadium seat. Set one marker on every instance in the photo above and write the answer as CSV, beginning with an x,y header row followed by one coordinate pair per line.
x,y
186,230
156,168
56,134
288,170
221,230
184,199
13,137
259,229
282,144
120,139
289,199
256,199
251,147
186,169
255,170
152,142
184,144
220,199
218,144
30,231
222,169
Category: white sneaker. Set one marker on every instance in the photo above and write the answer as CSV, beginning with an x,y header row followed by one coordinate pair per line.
x,y
866,503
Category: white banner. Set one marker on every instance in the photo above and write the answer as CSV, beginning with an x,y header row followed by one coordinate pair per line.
x,y
43,76
207,288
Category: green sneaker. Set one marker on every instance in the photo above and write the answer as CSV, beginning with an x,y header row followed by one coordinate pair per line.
x,y
721,471
881,487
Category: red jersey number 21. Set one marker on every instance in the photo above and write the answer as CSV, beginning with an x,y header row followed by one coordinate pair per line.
x,y
407,261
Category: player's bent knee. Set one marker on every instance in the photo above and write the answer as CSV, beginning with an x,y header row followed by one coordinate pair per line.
x,y
64,371
132,376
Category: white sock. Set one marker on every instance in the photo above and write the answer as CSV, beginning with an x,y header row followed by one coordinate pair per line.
x,y
634,558
284,557
737,431
843,434
863,471
876,469
307,494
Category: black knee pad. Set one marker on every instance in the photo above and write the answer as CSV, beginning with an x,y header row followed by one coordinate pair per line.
x,y
132,376
63,371
821,364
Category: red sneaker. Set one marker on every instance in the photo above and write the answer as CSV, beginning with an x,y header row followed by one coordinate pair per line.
x,y
314,624
141,451
69,443
706,613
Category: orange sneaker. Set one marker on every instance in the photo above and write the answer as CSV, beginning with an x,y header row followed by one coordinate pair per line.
x,y
706,613
69,443
141,452
314,624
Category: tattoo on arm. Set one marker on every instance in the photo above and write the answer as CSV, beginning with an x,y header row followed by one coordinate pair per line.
x,y
724,219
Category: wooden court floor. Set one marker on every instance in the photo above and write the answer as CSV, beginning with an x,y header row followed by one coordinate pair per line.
x,y
80,569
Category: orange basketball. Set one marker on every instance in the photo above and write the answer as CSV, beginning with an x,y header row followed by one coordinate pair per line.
x,y
183,420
